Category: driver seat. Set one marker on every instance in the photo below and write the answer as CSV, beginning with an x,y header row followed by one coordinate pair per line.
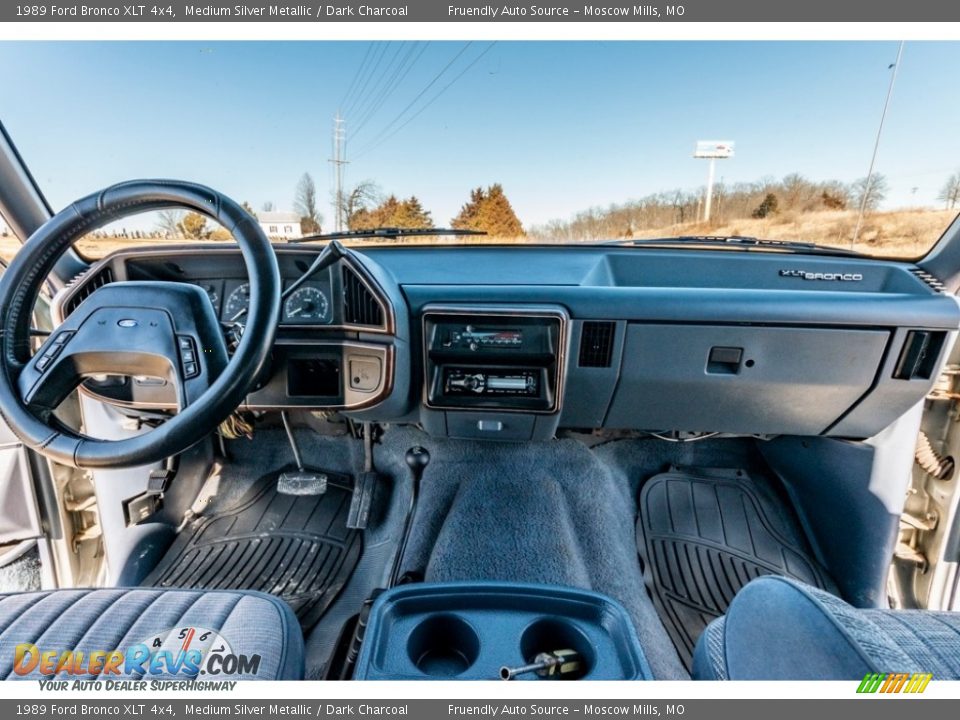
x,y
245,623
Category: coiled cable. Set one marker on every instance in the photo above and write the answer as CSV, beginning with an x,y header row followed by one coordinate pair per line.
x,y
931,461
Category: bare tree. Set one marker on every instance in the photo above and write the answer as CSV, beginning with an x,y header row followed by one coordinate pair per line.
x,y
267,206
950,193
363,196
869,192
305,203
169,223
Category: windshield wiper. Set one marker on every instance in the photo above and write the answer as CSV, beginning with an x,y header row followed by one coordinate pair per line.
x,y
739,242
386,233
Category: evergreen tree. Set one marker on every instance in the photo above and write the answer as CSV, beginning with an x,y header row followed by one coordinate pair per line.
x,y
767,207
393,213
411,215
489,211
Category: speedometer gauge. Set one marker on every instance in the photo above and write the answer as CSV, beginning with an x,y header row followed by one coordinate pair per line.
x,y
237,302
307,305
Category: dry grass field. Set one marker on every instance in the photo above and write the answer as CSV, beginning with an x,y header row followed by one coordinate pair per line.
x,y
902,233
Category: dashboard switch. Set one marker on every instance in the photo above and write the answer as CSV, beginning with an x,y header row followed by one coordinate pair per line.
x,y
364,373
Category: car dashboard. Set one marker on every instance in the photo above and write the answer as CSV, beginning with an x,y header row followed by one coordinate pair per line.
x,y
514,343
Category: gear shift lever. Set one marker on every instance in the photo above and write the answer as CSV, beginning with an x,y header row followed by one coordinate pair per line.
x,y
417,460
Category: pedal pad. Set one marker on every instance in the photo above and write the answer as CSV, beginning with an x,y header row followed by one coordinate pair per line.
x,y
302,482
359,513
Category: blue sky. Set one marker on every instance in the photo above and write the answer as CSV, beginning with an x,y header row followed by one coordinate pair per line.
x,y
563,126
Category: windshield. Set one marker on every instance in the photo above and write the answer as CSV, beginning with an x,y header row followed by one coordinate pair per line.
x,y
851,145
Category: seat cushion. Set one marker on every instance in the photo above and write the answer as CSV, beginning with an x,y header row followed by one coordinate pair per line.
x,y
223,635
780,629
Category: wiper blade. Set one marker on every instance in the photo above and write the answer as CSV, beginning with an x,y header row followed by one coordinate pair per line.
x,y
387,233
740,242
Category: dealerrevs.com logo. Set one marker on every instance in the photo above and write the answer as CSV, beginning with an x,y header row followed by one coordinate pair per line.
x,y
184,652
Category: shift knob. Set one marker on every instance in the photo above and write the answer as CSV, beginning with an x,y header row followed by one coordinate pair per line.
x,y
417,460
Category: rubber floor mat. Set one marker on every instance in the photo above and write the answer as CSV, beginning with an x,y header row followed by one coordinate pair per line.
x,y
295,547
704,534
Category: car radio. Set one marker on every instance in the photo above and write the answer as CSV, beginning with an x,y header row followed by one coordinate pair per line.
x,y
478,381
495,359
470,337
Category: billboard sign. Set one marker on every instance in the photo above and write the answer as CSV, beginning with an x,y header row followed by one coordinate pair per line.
x,y
714,149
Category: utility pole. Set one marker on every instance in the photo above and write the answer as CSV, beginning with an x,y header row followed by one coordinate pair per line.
x,y
876,146
708,203
339,160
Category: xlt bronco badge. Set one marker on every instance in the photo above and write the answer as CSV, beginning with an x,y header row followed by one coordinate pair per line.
x,y
804,275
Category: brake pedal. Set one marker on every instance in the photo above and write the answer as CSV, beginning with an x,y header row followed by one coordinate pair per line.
x,y
302,482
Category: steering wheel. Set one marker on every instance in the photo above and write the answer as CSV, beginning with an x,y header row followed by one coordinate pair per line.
x,y
163,329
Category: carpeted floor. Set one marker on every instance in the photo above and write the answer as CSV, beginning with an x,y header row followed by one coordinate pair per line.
x,y
555,512
22,574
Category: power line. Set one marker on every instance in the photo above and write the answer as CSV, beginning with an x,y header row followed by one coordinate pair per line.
x,y
399,75
360,96
420,94
353,83
382,84
430,102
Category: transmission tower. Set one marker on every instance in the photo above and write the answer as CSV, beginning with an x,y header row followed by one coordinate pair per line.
x,y
339,160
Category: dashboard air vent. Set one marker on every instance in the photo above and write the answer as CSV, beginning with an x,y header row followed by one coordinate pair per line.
x,y
596,344
88,287
929,280
360,306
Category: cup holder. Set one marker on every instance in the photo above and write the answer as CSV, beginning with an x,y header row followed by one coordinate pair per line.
x,y
443,646
552,634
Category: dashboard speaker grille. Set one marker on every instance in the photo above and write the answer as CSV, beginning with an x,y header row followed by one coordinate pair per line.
x,y
596,344
360,306
929,280
103,277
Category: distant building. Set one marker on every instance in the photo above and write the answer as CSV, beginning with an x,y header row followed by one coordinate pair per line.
x,y
279,225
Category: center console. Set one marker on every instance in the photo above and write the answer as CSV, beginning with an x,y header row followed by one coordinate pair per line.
x,y
488,630
493,370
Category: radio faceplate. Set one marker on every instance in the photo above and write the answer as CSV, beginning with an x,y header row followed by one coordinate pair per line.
x,y
491,382
496,359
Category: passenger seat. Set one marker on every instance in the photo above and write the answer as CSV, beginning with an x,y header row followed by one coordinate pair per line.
x,y
780,629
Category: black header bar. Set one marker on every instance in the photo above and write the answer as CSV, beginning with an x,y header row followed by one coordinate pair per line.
x,y
646,11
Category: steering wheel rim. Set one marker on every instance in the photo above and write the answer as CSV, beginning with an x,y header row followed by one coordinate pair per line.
x,y
22,281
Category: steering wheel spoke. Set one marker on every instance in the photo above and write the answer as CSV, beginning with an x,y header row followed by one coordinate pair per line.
x,y
172,335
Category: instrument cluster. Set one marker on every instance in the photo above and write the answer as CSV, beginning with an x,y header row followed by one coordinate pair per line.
x,y
309,304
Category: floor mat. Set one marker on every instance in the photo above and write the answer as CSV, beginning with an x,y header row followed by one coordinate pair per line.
x,y
295,547
703,535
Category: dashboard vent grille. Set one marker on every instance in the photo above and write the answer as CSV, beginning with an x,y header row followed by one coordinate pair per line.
x,y
596,344
360,307
103,277
929,280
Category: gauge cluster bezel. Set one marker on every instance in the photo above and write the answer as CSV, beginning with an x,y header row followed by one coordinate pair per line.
x,y
224,291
